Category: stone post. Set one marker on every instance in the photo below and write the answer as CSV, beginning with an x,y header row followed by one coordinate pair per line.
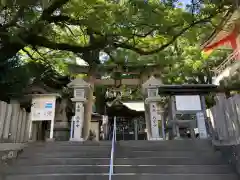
x,y
23,127
7,122
151,85
201,125
79,86
19,126
27,127
14,121
144,78
221,121
175,126
147,120
3,109
161,119
203,133
235,112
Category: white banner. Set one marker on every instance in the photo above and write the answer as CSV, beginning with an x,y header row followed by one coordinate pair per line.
x,y
43,108
188,103
154,120
201,125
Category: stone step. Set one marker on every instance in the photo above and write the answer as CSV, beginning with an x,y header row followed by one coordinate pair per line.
x,y
168,143
164,148
63,169
192,154
120,154
130,154
62,161
160,169
170,161
67,149
122,161
105,148
174,169
124,176
90,154
177,143
69,143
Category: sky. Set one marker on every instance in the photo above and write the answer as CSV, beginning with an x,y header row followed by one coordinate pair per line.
x,y
185,2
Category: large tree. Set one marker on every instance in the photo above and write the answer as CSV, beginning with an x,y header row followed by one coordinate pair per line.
x,y
50,31
87,27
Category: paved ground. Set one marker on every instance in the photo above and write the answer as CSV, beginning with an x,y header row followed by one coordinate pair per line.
x,y
10,151
11,146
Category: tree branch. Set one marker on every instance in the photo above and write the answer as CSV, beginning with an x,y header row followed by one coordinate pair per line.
x,y
53,7
28,53
44,42
142,52
66,19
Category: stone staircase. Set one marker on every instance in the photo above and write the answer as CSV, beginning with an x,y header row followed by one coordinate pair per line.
x,y
134,160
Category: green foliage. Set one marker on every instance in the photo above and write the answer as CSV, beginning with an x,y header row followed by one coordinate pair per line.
x,y
53,32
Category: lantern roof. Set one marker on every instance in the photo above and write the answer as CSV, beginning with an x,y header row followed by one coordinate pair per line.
x,y
78,83
152,82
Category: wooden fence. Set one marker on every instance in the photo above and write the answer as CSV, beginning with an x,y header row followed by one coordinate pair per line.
x,y
225,119
14,123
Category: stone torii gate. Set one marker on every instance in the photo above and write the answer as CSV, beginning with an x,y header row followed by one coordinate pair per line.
x,y
152,115
95,78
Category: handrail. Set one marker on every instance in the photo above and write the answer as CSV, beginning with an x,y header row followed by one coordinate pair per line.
x,y
112,150
228,61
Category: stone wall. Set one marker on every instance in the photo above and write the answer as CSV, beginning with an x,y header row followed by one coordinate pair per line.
x,y
225,120
14,123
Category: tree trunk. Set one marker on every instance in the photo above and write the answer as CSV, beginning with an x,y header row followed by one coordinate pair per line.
x,y
88,107
91,57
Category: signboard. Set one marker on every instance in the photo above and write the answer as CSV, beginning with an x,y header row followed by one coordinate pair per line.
x,y
188,103
154,120
43,108
201,125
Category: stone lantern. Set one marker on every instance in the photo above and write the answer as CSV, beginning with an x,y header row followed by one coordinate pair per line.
x,y
151,88
79,86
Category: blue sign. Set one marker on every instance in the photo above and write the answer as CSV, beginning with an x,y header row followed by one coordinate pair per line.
x,y
48,105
